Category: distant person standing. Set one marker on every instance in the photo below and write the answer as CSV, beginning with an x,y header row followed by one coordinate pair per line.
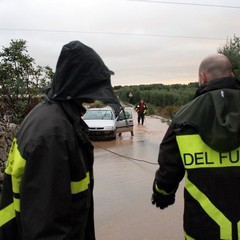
x,y
141,109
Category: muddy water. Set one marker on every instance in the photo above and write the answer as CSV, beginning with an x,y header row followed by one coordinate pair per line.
x,y
124,172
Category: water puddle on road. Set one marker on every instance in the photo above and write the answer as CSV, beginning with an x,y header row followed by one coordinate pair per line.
x,y
124,171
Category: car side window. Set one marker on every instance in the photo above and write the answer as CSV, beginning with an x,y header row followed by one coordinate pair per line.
x,y
124,115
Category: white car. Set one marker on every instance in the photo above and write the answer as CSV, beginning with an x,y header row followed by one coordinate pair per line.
x,y
103,124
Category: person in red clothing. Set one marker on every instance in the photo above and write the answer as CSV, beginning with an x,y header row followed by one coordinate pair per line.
x,y
141,109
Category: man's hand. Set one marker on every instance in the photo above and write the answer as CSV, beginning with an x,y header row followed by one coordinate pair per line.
x,y
162,201
161,198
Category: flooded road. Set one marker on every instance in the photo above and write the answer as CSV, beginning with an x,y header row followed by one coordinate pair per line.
x,y
124,172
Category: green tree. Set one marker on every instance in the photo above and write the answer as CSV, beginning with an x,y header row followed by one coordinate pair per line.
x,y
232,50
22,82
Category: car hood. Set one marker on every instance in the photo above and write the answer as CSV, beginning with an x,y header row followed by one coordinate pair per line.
x,y
100,123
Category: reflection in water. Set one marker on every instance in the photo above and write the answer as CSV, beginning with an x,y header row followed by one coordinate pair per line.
x,y
123,188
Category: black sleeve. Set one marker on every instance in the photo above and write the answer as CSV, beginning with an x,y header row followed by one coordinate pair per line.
x,y
45,191
171,170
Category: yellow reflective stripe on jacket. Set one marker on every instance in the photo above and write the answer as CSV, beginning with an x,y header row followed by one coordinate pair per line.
x,y
161,191
196,154
188,237
238,228
224,224
15,166
80,186
7,214
16,203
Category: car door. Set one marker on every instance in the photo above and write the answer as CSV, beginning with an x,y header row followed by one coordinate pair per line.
x,y
124,121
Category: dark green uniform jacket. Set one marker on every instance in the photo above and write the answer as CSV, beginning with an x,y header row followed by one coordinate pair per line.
x,y
203,143
48,185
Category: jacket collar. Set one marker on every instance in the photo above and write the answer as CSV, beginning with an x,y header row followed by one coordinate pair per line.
x,y
226,83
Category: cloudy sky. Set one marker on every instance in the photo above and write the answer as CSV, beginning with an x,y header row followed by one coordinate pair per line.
x,y
142,41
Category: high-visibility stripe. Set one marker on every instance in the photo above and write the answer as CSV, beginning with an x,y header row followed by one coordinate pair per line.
x,y
80,186
160,190
15,166
238,228
16,203
188,237
196,154
7,214
10,160
224,224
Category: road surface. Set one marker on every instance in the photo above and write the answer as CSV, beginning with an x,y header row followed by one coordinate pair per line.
x,y
124,172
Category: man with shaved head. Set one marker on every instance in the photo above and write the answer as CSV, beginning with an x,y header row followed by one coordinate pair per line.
x,y
214,67
203,144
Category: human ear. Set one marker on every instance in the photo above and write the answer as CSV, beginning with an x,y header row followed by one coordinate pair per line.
x,y
202,78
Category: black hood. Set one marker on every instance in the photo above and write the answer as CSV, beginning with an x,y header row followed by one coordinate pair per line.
x,y
82,74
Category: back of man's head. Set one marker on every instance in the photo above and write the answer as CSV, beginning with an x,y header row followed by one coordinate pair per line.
x,y
213,67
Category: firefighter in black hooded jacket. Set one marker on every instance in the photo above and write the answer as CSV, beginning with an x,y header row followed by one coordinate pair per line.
x,y
48,185
203,143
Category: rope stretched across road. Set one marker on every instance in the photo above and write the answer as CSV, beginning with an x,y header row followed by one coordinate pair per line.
x,y
126,157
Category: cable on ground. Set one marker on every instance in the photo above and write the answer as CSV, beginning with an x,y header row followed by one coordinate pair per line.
x,y
126,157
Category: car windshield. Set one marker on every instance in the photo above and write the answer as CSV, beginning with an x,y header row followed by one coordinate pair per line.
x,y
98,114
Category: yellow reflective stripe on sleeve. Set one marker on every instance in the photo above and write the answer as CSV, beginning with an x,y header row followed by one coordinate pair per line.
x,y
10,160
196,154
15,166
188,237
217,216
7,214
80,186
16,203
238,228
161,191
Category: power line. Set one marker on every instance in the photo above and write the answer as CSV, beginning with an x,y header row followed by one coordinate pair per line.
x,y
184,3
111,33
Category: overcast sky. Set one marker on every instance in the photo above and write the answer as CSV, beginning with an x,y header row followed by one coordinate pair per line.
x,y
143,42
